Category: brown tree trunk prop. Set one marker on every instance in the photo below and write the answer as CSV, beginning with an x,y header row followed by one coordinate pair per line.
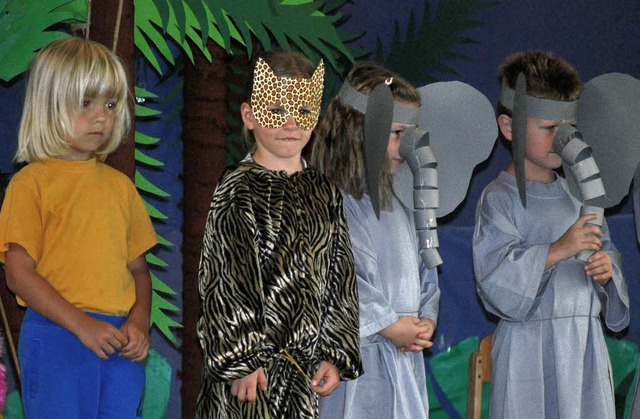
x,y
110,28
204,129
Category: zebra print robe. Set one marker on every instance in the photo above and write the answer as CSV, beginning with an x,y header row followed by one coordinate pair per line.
x,y
276,273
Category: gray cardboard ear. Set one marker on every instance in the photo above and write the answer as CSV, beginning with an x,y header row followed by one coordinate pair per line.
x,y
609,120
519,135
462,133
377,126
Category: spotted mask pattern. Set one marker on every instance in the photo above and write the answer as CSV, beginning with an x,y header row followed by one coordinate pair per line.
x,y
299,97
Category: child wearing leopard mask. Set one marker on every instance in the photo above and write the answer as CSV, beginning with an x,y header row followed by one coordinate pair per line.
x,y
279,322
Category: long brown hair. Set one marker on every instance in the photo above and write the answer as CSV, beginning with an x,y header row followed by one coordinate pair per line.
x,y
337,148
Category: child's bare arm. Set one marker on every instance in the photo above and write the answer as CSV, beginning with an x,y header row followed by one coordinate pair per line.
x,y
136,327
23,279
580,236
599,267
246,388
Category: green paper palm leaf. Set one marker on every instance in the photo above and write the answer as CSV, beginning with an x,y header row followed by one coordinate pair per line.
x,y
146,139
24,28
301,23
435,41
161,308
144,159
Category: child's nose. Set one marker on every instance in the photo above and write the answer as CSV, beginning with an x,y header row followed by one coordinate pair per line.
x,y
100,112
290,123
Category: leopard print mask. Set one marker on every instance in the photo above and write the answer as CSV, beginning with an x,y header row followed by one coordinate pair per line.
x,y
300,98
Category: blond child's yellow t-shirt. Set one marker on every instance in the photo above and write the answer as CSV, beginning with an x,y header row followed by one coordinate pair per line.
x,y
82,222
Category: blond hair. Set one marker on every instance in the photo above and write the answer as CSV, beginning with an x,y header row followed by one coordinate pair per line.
x,y
61,76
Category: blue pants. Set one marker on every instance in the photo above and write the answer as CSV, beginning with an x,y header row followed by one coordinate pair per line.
x,y
62,378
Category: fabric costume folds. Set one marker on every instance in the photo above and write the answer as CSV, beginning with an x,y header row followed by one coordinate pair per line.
x,y
394,382
276,275
534,370
635,193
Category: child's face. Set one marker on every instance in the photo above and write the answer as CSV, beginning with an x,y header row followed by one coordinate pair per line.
x,y
540,157
276,145
394,161
275,99
92,125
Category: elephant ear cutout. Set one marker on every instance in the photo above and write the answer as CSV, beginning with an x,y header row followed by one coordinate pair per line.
x,y
377,126
519,136
462,133
609,121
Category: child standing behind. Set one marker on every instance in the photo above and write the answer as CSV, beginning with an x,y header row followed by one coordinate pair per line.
x,y
549,357
279,319
398,295
73,236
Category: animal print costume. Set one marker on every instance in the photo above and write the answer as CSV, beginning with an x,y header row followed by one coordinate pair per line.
x,y
276,274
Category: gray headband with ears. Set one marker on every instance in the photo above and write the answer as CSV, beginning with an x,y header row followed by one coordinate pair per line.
x,y
608,119
401,114
380,111
462,131
522,106
541,108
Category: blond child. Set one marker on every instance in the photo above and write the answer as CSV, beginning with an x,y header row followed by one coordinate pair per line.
x,y
73,236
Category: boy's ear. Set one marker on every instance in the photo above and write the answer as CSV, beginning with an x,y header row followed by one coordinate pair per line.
x,y
247,115
504,123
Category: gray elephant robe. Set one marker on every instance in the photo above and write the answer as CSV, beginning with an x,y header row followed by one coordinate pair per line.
x,y
549,358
